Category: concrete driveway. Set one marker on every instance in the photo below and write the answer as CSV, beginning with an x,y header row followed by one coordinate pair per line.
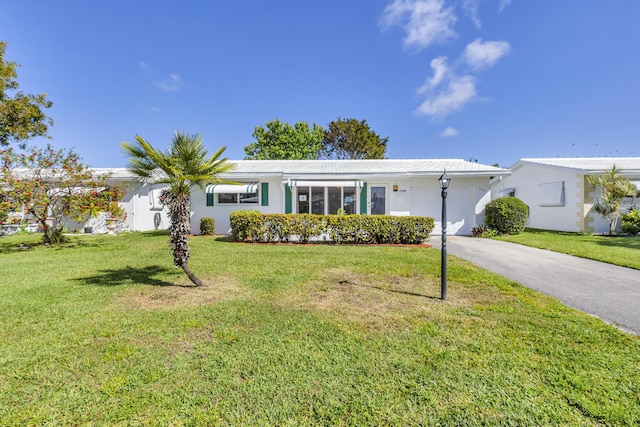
x,y
609,292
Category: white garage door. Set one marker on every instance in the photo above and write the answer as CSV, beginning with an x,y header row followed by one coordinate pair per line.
x,y
460,208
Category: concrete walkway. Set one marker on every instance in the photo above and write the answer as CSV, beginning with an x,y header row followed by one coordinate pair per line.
x,y
609,292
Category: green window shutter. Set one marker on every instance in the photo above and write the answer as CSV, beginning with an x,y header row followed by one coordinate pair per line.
x,y
363,199
287,199
264,190
209,199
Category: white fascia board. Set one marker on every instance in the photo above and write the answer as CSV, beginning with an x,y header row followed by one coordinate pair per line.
x,y
341,177
462,174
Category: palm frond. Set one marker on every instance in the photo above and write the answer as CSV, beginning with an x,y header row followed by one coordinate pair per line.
x,y
183,165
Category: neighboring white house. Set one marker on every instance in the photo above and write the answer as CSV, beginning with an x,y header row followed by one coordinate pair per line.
x,y
558,196
370,187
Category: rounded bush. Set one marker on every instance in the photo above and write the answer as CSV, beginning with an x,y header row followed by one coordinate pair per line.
x,y
507,215
207,226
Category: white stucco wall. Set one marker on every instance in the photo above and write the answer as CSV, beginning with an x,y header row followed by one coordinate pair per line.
x,y
220,213
466,198
415,196
527,179
140,211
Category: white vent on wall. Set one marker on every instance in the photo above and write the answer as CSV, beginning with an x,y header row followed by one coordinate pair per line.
x,y
551,194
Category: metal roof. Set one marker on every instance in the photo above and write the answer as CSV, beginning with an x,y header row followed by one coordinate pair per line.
x,y
587,164
350,169
395,167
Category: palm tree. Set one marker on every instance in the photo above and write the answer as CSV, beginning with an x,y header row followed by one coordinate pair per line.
x,y
613,189
183,166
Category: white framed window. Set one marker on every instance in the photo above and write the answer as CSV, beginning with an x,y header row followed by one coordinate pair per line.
x,y
325,200
238,198
233,194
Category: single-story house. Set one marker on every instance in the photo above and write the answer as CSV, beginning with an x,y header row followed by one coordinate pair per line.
x,y
367,187
557,193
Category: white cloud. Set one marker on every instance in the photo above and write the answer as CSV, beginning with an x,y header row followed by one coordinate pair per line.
x,y
143,65
172,84
503,4
479,55
449,132
440,71
425,22
459,92
471,8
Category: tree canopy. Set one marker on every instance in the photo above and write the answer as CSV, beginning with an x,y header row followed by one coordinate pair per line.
x,y
281,141
21,115
352,139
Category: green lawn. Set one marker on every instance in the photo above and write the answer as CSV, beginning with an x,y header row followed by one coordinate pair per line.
x,y
622,250
106,331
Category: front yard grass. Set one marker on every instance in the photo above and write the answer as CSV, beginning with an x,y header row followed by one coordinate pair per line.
x,y
106,331
619,250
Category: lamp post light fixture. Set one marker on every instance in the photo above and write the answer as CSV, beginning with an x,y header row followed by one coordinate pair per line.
x,y
445,180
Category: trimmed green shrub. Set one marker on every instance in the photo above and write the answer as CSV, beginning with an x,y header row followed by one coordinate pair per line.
x,y
349,229
207,226
247,224
508,215
631,222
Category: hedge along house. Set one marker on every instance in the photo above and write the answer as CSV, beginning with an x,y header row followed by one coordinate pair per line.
x,y
366,187
557,193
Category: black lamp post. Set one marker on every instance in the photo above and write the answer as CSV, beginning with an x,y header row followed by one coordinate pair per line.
x,y
445,180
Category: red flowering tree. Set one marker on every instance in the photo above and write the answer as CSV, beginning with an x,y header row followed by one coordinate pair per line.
x,y
51,185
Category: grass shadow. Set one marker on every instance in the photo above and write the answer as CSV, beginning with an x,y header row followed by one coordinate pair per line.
x,y
154,233
15,245
128,276
628,242
384,289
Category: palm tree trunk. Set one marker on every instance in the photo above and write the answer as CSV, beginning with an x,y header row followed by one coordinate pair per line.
x,y
190,275
179,235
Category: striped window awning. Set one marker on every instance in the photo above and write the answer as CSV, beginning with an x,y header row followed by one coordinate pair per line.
x,y
251,187
292,183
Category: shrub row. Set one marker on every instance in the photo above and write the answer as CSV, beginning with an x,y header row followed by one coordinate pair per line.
x,y
353,229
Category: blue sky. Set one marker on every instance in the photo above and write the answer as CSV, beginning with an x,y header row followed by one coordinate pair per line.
x,y
493,80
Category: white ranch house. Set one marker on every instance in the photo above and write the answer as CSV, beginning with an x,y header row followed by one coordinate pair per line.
x,y
556,191
367,187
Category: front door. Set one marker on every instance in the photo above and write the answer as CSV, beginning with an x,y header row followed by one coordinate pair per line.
x,y
378,200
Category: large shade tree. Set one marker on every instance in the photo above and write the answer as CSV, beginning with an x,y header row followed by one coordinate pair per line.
x,y
22,116
185,164
352,139
281,141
